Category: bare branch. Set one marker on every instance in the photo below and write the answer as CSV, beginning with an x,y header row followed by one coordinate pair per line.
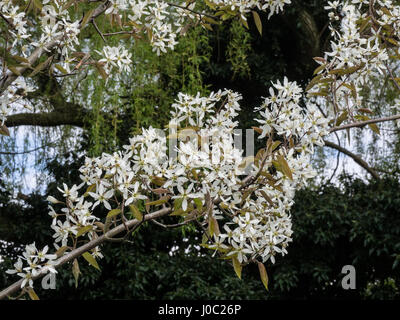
x,y
200,14
364,123
355,157
46,119
98,30
27,151
392,76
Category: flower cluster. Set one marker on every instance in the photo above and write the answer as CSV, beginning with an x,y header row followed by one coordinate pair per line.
x,y
247,219
117,57
33,262
357,54
261,225
282,113
13,97
15,17
244,7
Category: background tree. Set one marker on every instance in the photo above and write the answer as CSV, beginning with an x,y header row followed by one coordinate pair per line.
x,y
235,70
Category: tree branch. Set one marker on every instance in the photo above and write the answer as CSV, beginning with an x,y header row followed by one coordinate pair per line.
x,y
200,14
46,119
364,123
27,151
86,247
355,157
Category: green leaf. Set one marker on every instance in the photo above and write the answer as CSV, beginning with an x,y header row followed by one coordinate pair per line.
x,y
178,203
257,21
343,71
149,34
374,128
21,59
319,69
225,16
86,17
158,202
75,271
4,131
285,167
275,145
237,266
92,261
204,238
365,110
158,181
38,4
342,118
207,26
101,70
32,294
41,66
178,212
14,70
160,191
113,213
263,274
321,93
60,252
199,204
89,189
136,213
213,227
61,69
244,22
210,4
83,230
209,20
266,197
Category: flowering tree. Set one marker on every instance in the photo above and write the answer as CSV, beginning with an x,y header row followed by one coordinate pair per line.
x,y
242,210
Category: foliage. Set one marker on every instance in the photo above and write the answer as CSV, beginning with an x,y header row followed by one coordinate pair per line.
x,y
238,50
358,224
124,104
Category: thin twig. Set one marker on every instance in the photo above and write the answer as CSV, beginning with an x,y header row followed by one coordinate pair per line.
x,y
28,151
190,10
355,157
364,123
98,30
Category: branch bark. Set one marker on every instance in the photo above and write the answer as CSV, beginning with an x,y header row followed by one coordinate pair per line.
x,y
364,123
355,157
86,247
45,119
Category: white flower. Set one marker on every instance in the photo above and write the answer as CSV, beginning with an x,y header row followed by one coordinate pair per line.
x,y
42,255
134,194
102,196
185,194
53,200
17,267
